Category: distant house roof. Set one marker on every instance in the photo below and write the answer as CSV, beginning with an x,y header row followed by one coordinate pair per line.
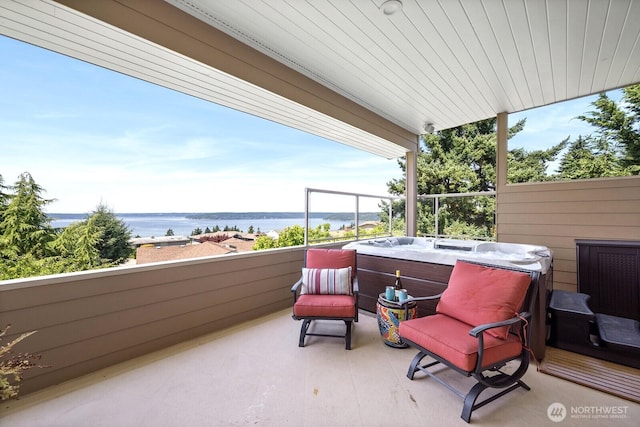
x,y
239,244
230,234
162,240
148,254
370,224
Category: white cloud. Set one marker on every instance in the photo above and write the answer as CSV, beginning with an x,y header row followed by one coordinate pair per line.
x,y
141,148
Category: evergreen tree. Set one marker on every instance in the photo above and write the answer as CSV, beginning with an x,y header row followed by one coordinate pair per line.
x,y
169,232
113,244
76,247
24,226
618,130
4,197
250,230
531,166
457,160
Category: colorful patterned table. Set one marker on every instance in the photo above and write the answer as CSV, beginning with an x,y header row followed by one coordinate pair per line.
x,y
389,315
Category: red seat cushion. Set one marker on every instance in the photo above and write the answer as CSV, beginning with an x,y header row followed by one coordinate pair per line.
x,y
477,295
449,338
338,306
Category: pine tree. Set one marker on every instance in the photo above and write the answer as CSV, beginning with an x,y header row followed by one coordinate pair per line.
x,y
24,226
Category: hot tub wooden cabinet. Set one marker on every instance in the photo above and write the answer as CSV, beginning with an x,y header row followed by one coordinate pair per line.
x,y
422,278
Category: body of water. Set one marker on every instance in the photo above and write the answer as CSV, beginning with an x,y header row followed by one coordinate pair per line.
x,y
156,225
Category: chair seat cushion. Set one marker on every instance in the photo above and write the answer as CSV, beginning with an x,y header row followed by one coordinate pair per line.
x,y
449,338
478,295
329,306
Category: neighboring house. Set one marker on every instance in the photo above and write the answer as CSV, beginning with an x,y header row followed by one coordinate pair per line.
x,y
273,234
369,225
159,241
147,254
239,244
152,252
230,234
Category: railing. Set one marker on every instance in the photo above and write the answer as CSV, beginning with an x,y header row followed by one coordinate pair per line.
x,y
436,208
358,196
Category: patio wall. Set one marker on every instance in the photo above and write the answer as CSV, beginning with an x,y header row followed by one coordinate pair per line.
x,y
87,321
555,214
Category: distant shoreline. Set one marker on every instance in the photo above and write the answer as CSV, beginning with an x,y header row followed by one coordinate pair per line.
x,y
185,224
221,216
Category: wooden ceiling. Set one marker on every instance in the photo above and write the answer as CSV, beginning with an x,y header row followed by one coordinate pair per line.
x,y
348,71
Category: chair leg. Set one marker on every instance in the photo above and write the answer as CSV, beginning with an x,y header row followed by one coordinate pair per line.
x,y
347,335
413,368
471,397
303,331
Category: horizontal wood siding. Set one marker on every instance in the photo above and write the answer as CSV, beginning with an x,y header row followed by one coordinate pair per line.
x,y
87,321
555,214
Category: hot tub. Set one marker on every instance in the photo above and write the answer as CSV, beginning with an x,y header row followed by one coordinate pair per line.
x,y
448,251
425,266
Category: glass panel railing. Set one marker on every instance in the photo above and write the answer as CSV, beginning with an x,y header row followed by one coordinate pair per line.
x,y
458,215
364,216
361,215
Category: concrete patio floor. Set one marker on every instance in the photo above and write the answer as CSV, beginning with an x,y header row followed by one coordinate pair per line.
x,y
256,374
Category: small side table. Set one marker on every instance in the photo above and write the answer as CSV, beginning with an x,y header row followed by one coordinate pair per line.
x,y
389,315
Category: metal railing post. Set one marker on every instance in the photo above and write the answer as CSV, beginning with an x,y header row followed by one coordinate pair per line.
x,y
357,217
436,206
306,216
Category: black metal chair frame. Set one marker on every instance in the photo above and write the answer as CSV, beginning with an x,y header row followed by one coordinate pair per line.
x,y
519,326
306,320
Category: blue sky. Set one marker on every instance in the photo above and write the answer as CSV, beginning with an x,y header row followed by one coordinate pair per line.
x,y
90,135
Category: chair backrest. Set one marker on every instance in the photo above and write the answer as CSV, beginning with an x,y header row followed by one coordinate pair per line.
x,y
331,258
479,294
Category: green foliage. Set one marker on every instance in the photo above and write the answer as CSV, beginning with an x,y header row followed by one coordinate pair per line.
x,y
29,246
196,231
587,157
463,159
250,230
290,236
113,241
24,226
617,138
531,166
265,242
77,246
458,160
169,232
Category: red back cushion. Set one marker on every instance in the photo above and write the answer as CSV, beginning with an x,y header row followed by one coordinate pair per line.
x,y
331,258
477,295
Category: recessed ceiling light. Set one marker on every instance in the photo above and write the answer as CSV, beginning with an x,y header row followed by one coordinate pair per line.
x,y
391,7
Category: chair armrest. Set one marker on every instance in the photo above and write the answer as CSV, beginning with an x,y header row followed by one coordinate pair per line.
x,y
294,290
356,287
296,285
427,298
514,320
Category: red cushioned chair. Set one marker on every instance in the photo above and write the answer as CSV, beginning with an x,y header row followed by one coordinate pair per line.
x,y
479,328
327,290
